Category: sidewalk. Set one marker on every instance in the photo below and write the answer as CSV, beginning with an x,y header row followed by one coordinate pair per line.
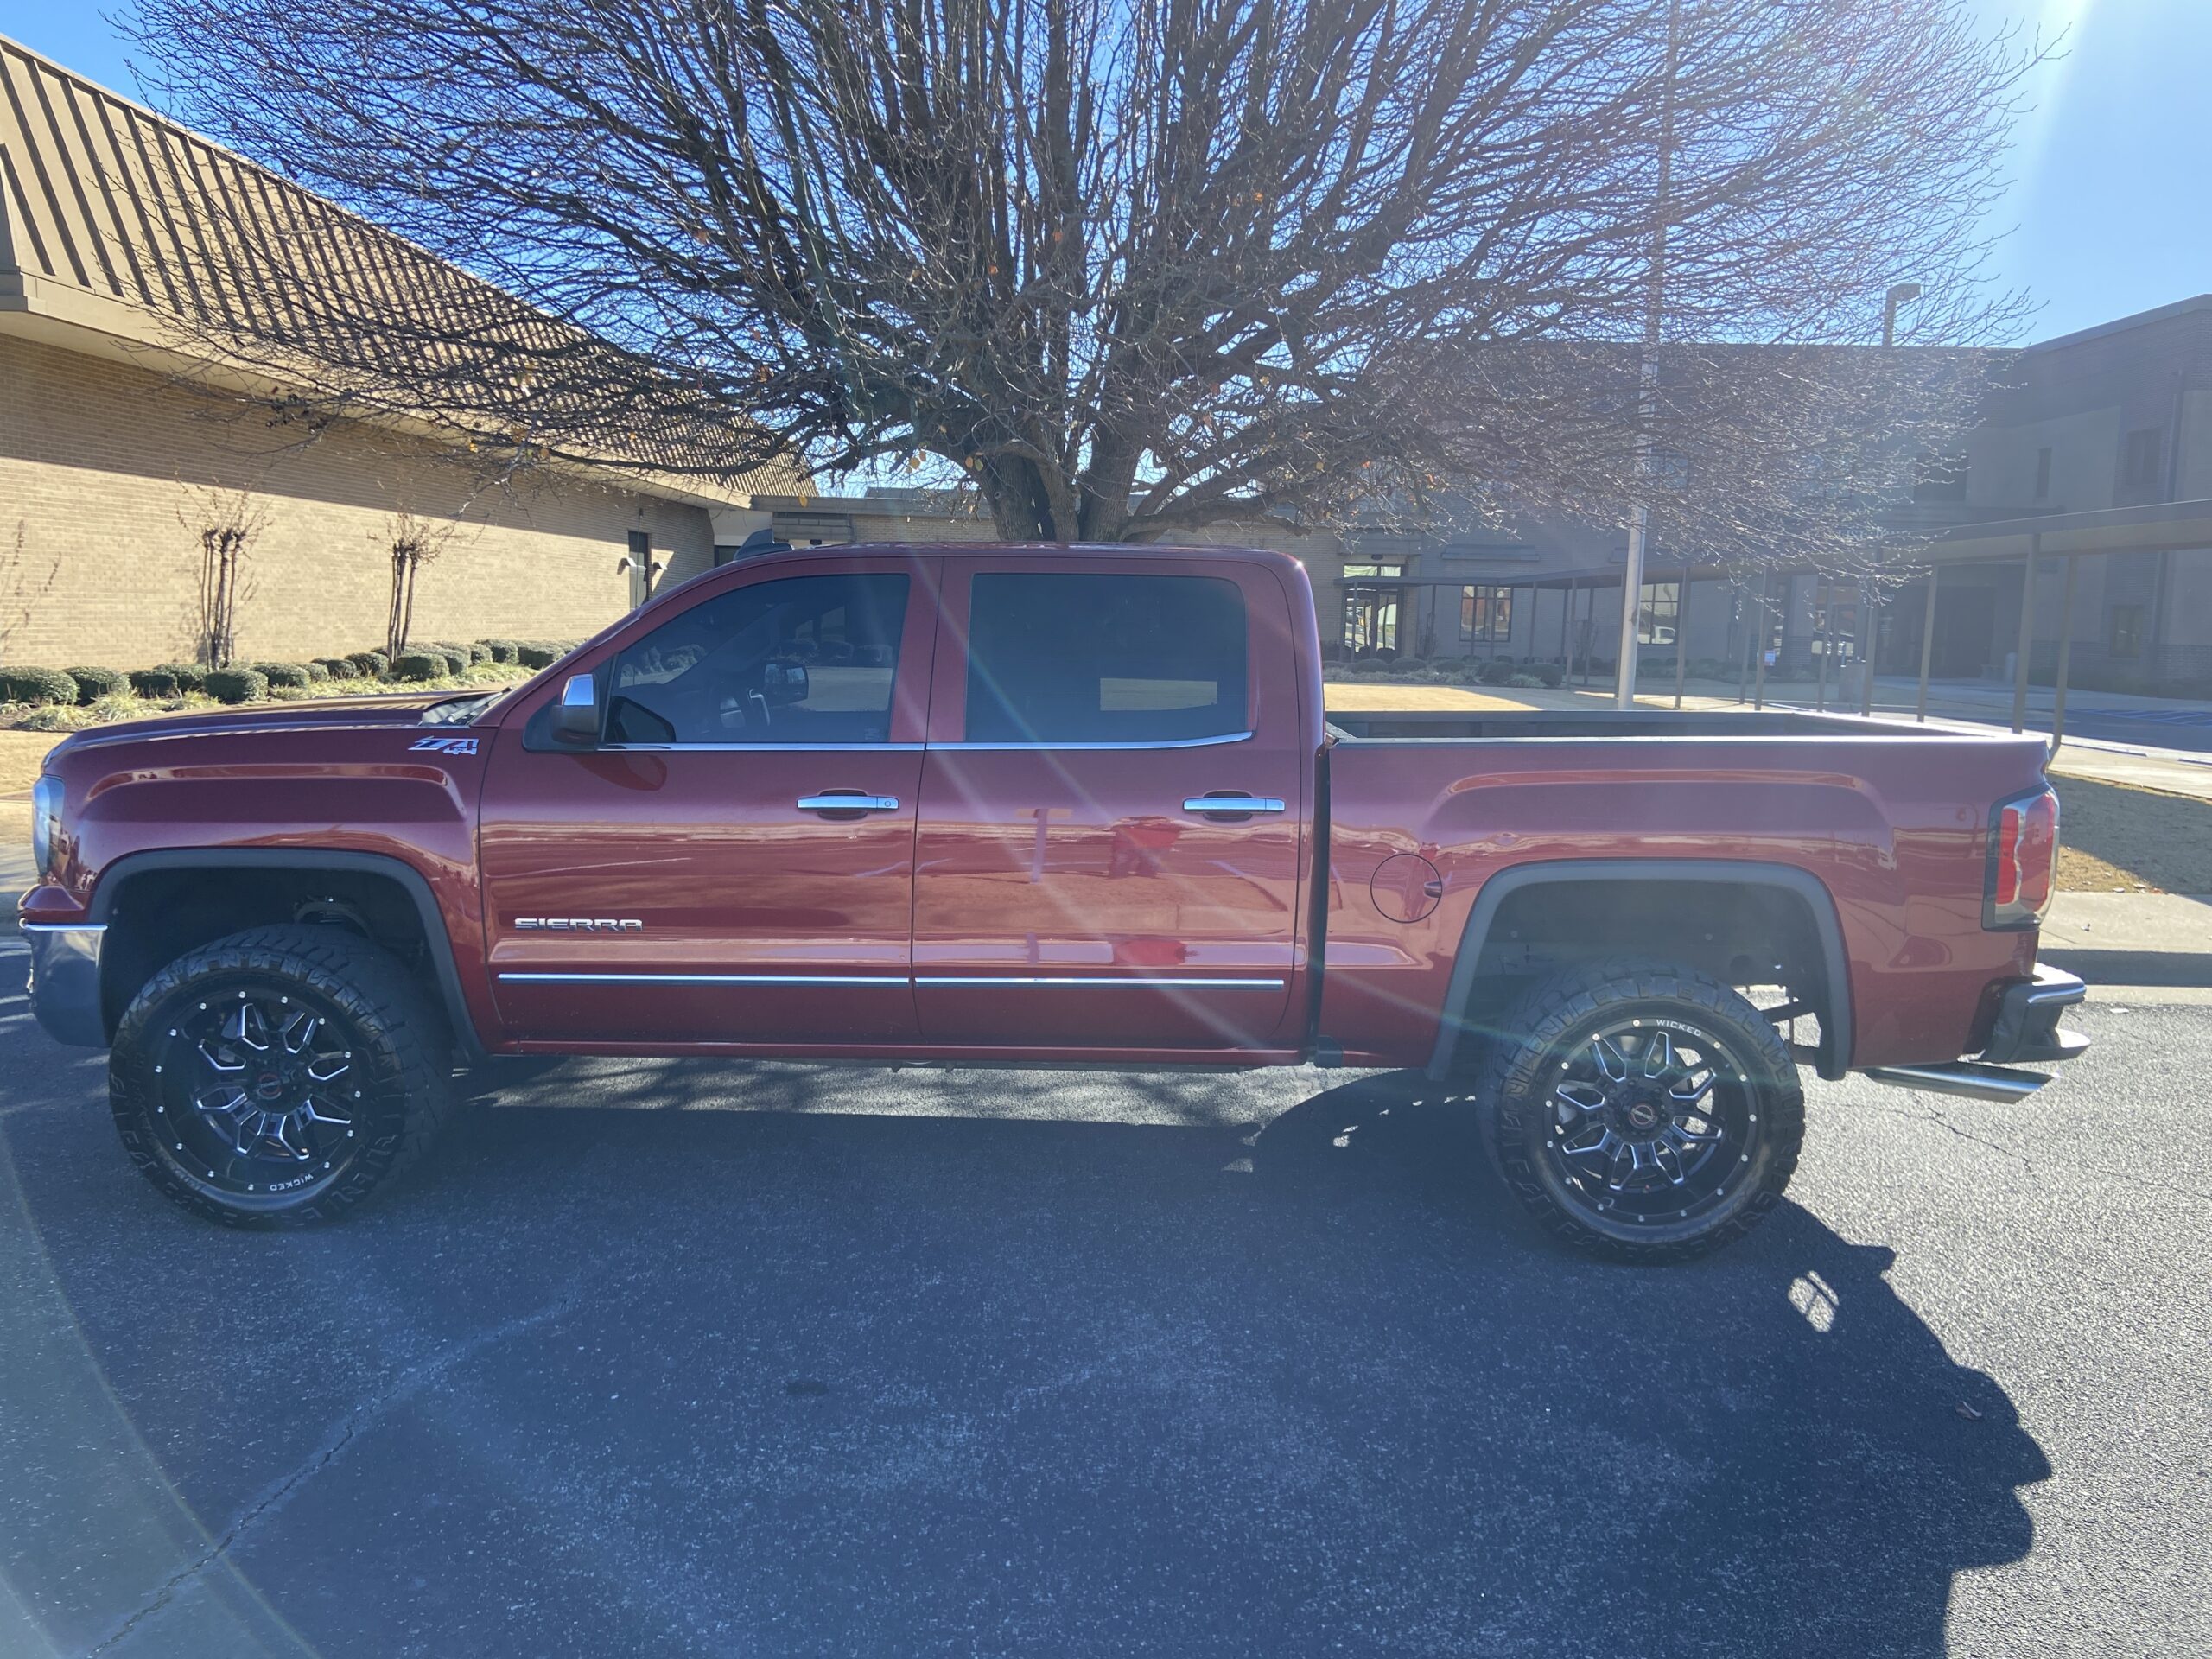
x,y
2124,943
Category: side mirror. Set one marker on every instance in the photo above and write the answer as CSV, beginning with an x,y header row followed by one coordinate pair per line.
x,y
575,717
783,683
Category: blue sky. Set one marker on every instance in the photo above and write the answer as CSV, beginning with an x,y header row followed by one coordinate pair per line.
x,y
2110,210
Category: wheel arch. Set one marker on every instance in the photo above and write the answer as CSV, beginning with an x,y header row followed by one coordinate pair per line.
x,y
1798,887
406,885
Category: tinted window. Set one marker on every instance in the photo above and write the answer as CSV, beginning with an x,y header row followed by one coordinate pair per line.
x,y
1103,659
808,659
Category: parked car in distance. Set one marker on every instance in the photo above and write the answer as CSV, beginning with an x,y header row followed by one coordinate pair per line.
x,y
1043,806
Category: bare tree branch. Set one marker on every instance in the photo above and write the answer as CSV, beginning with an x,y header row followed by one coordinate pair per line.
x,y
1133,267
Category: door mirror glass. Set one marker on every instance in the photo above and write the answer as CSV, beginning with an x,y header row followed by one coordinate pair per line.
x,y
575,717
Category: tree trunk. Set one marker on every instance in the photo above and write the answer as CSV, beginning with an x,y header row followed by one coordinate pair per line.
x,y
396,618
1019,506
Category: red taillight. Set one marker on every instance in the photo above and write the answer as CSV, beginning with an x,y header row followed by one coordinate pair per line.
x,y
2004,884
2023,860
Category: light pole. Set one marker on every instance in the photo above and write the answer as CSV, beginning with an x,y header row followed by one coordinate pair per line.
x,y
1900,294
1639,525
1869,625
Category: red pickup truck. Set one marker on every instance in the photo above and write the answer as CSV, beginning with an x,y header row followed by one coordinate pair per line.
x,y
1040,806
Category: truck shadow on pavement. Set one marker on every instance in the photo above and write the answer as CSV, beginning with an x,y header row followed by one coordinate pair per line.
x,y
615,1376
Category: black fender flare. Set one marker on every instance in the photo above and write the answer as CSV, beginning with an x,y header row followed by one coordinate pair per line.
x,y
383,866
1835,1054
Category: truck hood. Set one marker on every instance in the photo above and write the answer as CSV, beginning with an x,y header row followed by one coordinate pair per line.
x,y
403,709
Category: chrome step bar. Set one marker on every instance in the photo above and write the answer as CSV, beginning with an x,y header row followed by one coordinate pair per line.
x,y
1972,1078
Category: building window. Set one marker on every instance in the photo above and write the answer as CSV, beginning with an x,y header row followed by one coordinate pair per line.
x,y
1356,569
1071,659
2139,459
2126,635
1485,613
1658,612
2043,474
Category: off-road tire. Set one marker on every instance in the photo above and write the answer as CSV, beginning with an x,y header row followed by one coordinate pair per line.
x,y
399,1054
1517,1113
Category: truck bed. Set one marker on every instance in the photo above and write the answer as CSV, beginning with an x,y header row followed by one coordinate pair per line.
x,y
1688,829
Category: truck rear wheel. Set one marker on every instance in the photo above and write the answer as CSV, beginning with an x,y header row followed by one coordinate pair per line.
x,y
276,1078
1642,1111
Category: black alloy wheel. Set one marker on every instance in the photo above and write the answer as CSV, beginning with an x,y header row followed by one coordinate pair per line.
x,y
258,1092
277,1077
1642,1111
1651,1116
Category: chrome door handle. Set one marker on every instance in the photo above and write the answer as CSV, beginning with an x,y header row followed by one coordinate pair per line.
x,y
1234,805
854,802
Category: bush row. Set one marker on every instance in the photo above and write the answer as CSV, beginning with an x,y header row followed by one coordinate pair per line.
x,y
251,682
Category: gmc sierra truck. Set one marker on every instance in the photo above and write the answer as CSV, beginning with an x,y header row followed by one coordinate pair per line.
x,y
1038,806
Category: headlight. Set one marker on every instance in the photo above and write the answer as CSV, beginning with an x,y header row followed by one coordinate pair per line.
x,y
46,823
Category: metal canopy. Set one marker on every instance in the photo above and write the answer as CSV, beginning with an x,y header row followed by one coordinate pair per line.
x,y
2157,527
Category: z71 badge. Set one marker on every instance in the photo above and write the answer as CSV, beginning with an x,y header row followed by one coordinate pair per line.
x,y
446,744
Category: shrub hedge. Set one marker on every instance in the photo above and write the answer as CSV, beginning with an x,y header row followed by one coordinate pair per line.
x,y
110,690
154,683
236,685
93,684
37,686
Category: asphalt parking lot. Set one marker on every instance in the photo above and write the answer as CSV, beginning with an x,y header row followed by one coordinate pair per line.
x,y
686,1358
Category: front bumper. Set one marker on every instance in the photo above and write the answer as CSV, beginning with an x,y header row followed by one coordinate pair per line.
x,y
2027,1032
65,986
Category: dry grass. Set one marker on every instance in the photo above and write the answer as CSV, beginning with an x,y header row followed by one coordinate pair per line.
x,y
1359,697
20,754
2133,840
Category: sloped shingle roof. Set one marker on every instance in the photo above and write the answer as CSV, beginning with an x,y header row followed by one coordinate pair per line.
x,y
105,200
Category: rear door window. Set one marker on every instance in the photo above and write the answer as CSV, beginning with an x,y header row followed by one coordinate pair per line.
x,y
1089,658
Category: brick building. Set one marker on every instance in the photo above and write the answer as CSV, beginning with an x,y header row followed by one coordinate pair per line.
x,y
114,453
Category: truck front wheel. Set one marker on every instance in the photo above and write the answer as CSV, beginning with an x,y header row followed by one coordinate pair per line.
x,y
275,1077
1642,1111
